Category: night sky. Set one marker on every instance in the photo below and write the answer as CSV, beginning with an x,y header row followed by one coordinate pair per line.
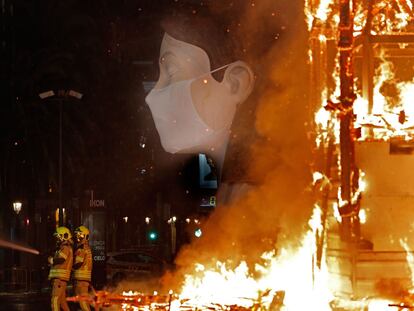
x,y
104,50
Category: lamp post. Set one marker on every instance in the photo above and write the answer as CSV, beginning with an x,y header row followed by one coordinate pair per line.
x,y
173,228
61,96
17,207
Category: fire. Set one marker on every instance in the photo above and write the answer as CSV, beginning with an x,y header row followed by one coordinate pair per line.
x,y
410,261
290,269
318,13
337,215
389,18
390,117
322,118
362,216
293,269
389,114
308,14
323,10
383,117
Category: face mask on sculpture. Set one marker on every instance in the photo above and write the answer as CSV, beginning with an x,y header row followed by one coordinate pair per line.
x,y
192,111
177,121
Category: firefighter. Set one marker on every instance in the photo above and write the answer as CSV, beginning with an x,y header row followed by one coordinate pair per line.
x,y
82,267
61,266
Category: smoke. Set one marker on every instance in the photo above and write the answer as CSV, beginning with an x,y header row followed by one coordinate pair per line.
x,y
277,208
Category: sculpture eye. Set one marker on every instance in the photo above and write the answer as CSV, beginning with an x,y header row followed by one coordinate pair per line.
x,y
171,69
169,64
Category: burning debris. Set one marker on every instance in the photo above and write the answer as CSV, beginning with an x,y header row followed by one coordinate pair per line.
x,y
172,302
286,275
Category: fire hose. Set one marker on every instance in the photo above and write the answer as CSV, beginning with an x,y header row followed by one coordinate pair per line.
x,y
18,247
105,299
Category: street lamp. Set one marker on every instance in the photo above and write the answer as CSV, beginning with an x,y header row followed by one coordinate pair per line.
x,y
17,207
61,95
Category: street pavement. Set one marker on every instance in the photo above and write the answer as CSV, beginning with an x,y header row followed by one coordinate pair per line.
x,y
25,301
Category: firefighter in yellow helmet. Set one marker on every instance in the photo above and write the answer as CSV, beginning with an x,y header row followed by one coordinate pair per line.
x,y
82,267
61,266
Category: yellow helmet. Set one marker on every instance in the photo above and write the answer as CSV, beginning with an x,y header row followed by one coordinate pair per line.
x,y
81,233
62,234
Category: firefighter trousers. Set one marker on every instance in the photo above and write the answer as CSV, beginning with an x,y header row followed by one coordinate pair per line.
x,y
59,295
81,289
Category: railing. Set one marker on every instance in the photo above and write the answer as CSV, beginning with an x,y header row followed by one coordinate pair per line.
x,y
22,279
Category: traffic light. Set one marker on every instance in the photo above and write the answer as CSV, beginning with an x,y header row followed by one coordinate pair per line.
x,y
198,233
152,235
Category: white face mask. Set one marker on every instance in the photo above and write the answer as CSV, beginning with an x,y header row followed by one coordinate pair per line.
x,y
177,121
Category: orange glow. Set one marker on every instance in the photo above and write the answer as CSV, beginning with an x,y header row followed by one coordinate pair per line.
x,y
410,261
385,119
280,271
291,267
390,116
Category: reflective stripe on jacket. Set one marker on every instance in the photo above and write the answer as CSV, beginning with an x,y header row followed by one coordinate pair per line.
x,y
62,270
83,256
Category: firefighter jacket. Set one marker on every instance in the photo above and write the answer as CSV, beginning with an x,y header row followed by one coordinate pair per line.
x,y
82,267
62,262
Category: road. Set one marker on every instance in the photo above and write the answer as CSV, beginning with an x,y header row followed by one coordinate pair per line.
x,y
27,301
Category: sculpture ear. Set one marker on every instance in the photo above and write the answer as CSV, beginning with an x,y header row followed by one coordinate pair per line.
x,y
239,80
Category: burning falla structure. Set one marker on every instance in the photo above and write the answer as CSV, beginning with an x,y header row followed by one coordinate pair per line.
x,y
361,57
356,254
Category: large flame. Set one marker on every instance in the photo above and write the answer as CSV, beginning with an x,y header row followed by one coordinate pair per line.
x,y
294,269
289,269
383,119
388,115
391,116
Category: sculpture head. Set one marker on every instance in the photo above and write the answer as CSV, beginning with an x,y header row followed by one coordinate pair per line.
x,y
193,109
